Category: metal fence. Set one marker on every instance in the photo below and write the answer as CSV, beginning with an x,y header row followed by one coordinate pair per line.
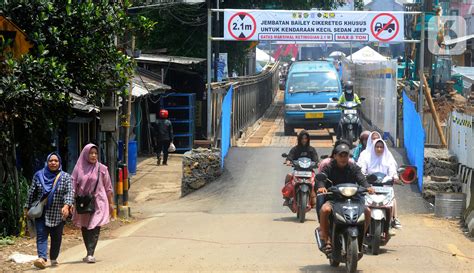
x,y
377,82
251,97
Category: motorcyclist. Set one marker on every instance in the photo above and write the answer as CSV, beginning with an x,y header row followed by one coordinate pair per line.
x,y
380,159
340,170
320,200
302,149
348,95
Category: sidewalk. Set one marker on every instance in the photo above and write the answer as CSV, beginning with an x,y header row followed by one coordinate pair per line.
x,y
155,184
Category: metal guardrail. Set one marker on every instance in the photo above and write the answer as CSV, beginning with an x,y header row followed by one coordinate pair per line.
x,y
251,97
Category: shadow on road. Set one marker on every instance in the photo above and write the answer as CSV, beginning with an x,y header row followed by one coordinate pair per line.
x,y
323,268
292,219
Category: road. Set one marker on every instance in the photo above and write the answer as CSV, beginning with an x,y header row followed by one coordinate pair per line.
x,y
238,224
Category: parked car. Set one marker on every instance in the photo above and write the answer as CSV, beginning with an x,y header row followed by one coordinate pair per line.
x,y
309,88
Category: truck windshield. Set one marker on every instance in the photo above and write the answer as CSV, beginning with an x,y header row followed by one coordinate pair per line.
x,y
313,82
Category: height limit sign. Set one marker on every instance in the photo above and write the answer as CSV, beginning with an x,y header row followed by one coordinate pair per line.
x,y
385,27
241,26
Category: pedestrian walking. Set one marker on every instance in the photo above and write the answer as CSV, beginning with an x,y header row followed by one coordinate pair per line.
x,y
93,198
163,134
51,195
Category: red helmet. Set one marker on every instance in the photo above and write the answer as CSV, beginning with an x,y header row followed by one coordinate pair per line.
x,y
163,113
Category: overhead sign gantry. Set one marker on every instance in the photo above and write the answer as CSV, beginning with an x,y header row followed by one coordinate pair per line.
x,y
314,26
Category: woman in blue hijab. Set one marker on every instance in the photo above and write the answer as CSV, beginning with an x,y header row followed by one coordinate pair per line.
x,y
54,187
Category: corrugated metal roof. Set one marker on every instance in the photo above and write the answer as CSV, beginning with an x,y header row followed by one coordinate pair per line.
x,y
154,58
79,103
146,82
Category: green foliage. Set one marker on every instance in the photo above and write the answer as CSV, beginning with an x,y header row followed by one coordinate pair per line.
x,y
284,4
74,53
182,30
10,222
8,240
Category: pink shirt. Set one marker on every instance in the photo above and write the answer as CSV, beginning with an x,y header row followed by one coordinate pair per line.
x,y
101,216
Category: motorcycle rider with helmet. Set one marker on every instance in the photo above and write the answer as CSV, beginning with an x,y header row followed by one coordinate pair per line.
x,y
347,95
340,170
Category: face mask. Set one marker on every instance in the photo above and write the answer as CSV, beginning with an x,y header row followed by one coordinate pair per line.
x,y
349,91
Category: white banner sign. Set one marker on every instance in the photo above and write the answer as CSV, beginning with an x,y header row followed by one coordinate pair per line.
x,y
323,26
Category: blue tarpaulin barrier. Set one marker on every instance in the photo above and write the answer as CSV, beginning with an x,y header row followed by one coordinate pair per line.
x,y
226,124
414,137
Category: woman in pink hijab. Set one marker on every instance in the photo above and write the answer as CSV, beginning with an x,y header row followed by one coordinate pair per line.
x,y
88,173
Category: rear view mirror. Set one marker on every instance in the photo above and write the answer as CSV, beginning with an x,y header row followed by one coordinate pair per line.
x,y
334,99
362,98
285,155
321,177
408,174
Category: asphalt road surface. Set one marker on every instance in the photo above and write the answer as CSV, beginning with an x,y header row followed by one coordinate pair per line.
x,y
238,224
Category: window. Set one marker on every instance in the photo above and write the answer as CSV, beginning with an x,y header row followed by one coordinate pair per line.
x,y
313,82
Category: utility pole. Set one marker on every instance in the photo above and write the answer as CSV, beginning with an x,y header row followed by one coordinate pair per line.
x,y
129,113
209,66
217,45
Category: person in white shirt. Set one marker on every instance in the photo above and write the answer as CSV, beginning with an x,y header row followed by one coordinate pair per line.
x,y
379,159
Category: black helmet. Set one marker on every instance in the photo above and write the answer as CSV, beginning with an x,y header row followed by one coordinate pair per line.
x,y
349,86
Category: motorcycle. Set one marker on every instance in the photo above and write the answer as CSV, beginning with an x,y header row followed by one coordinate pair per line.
x,y
300,187
346,224
381,208
350,121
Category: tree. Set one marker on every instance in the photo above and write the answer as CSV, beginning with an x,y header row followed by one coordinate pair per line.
x,y
74,52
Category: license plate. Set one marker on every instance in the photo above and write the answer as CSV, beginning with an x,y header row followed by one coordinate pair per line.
x,y
351,111
382,189
303,174
314,115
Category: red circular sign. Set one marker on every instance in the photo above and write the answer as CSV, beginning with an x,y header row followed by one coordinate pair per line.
x,y
391,26
231,26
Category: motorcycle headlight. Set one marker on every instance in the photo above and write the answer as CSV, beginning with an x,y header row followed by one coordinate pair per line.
x,y
348,191
292,107
305,164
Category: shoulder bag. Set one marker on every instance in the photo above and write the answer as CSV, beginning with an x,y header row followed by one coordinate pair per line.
x,y
37,207
85,204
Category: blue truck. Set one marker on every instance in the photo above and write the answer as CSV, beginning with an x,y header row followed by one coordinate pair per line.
x,y
309,90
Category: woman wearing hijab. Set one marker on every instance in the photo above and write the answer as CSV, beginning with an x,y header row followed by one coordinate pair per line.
x,y
380,160
54,187
370,140
92,177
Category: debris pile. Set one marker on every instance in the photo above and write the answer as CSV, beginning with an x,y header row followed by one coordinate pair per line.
x,y
440,170
200,167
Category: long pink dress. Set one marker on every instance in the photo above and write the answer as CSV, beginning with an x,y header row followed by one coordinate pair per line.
x,y
84,179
